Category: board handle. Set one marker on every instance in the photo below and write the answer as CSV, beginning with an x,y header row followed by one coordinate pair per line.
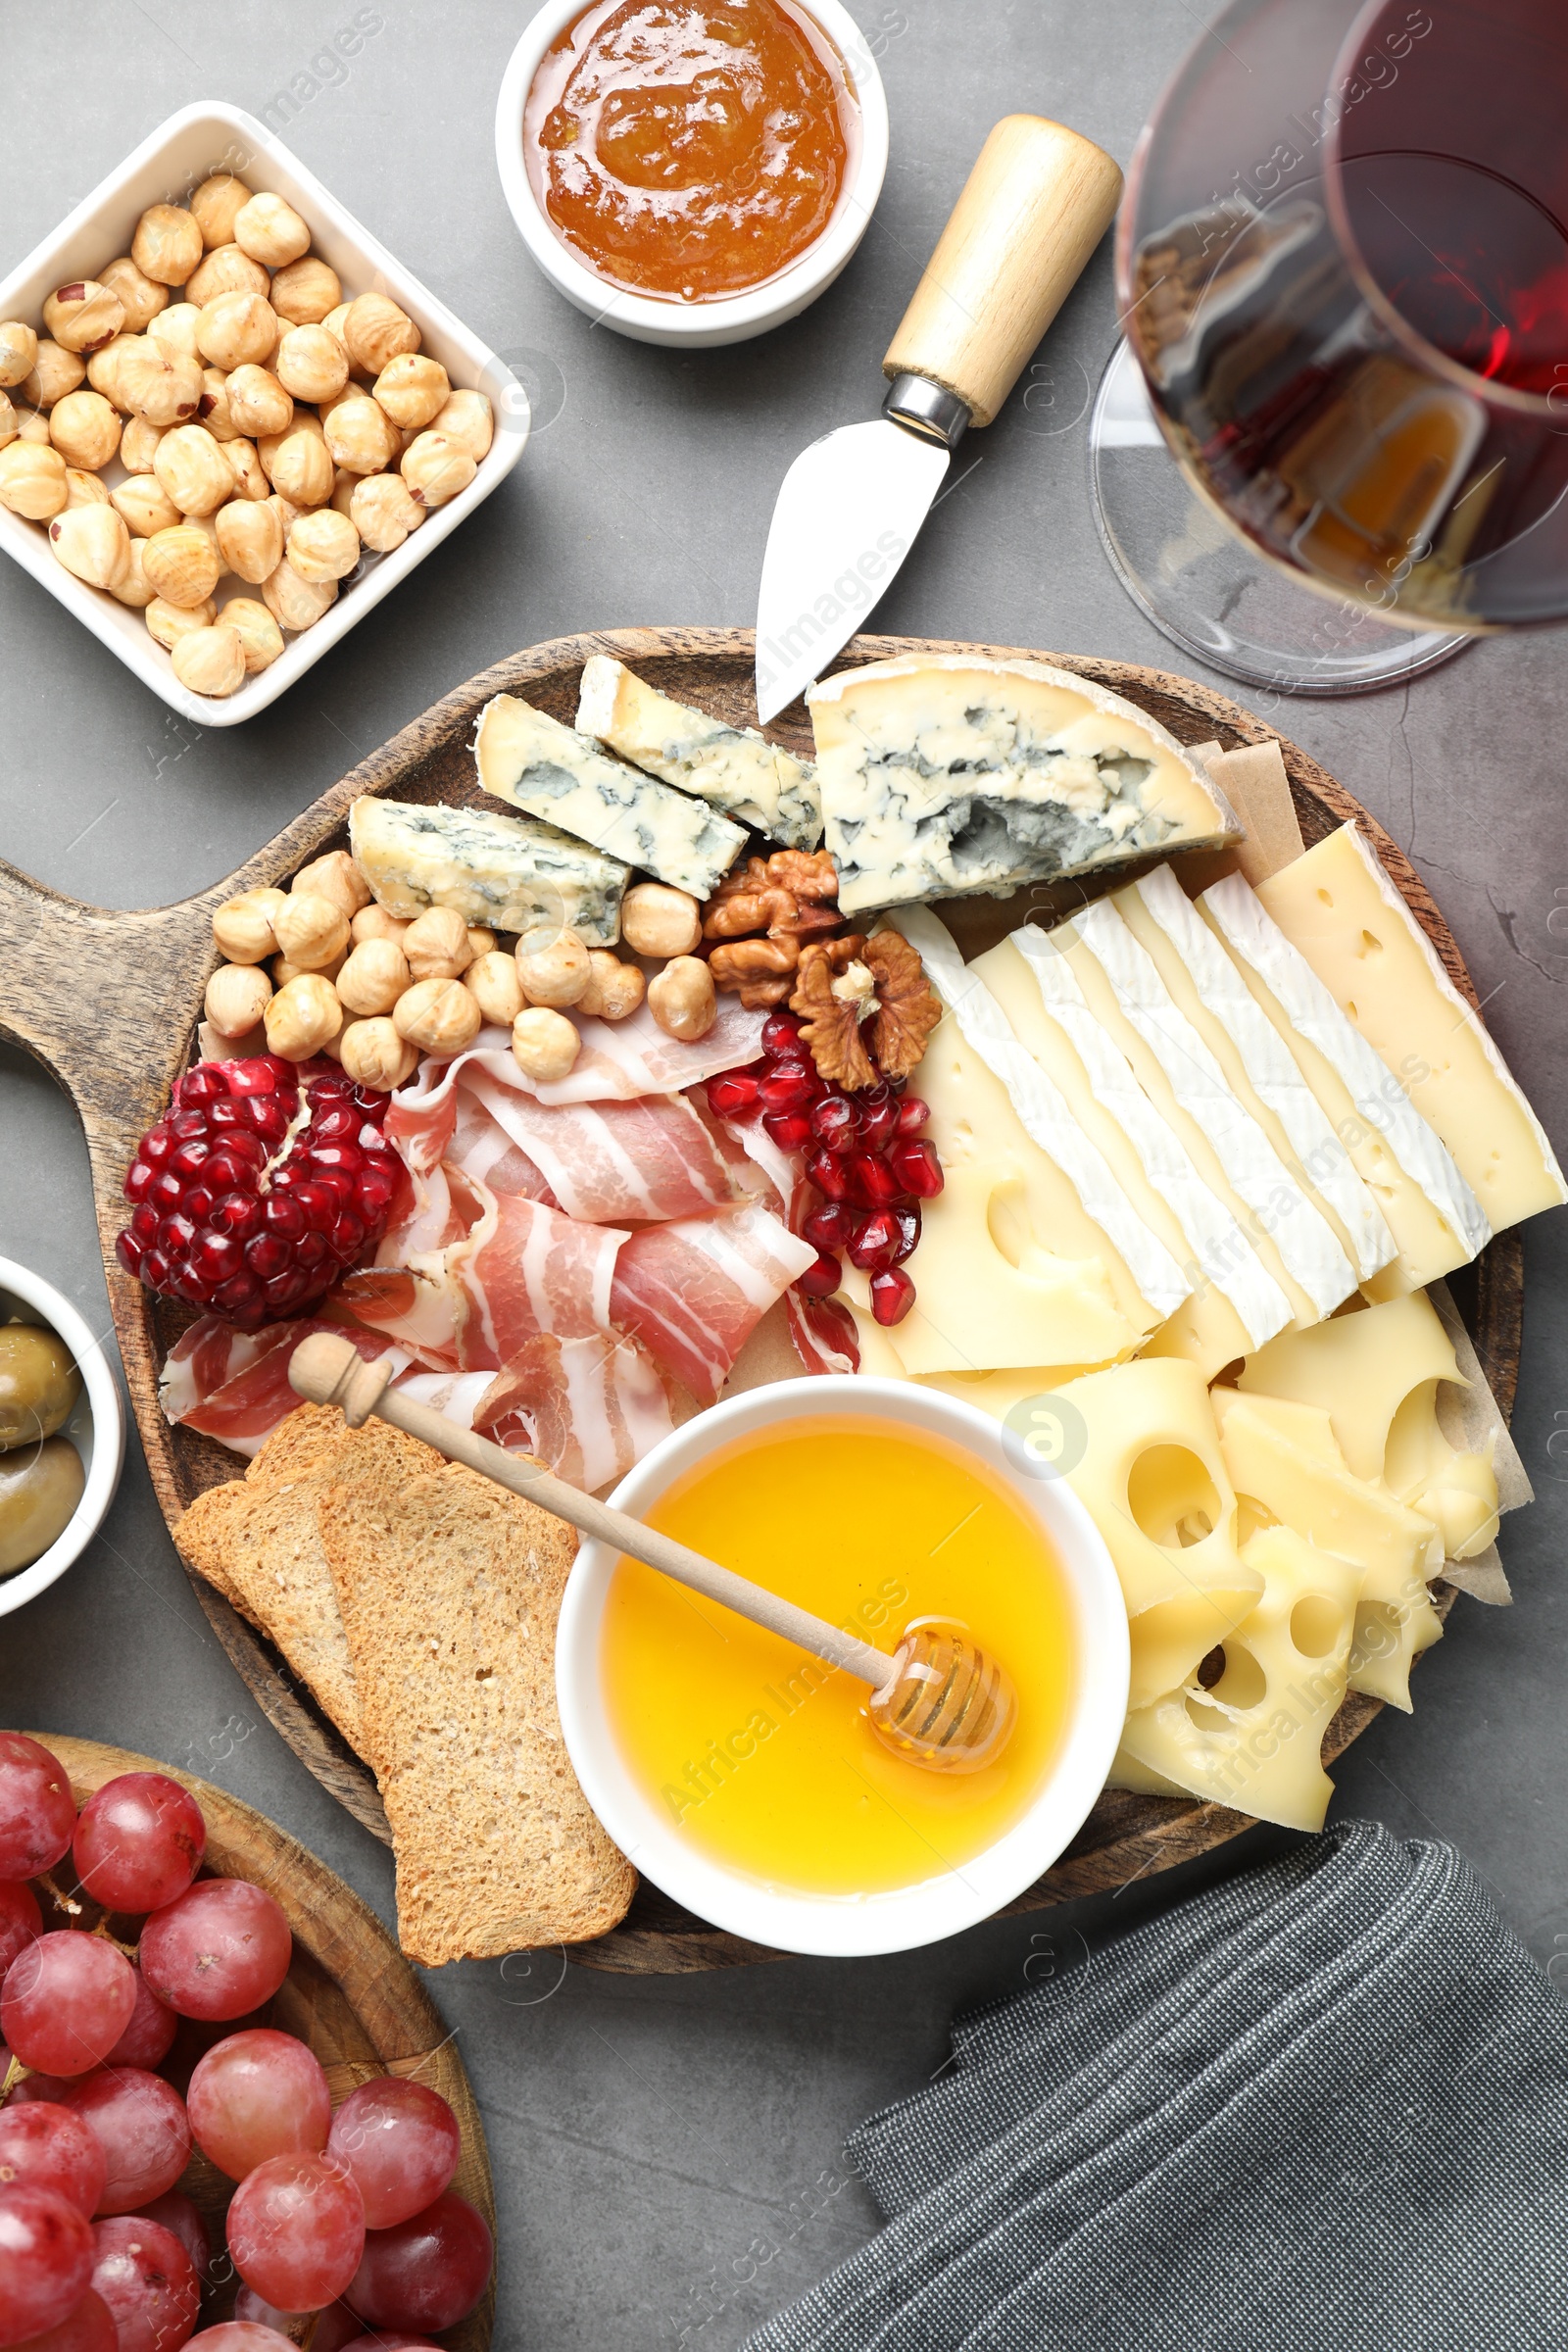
x,y
1034,208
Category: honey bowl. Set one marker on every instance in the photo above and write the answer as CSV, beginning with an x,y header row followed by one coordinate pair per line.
x,y
742,1776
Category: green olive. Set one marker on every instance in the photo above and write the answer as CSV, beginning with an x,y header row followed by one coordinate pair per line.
x,y
39,1489
38,1383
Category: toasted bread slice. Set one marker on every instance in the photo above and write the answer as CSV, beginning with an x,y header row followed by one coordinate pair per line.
x,y
450,1591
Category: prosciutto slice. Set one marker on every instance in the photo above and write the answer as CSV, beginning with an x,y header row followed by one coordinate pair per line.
x,y
605,1163
589,1408
233,1386
694,1291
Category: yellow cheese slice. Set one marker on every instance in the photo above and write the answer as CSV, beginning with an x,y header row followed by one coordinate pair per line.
x,y
999,1394
1285,1463
1153,1477
1339,908
1254,1740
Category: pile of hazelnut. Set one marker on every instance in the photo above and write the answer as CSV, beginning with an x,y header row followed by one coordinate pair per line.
x,y
269,430
321,968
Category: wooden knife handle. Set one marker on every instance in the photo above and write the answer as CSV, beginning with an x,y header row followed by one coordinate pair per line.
x,y
1034,208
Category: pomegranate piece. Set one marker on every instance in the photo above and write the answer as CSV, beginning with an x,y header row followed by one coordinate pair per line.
x,y
872,1181
791,1130
261,1185
789,1088
915,1167
830,1227
878,1116
734,1095
913,1114
830,1174
874,1242
781,1032
892,1296
907,1217
835,1122
821,1280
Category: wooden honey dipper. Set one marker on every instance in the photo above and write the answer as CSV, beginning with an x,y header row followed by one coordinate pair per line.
x,y
938,1699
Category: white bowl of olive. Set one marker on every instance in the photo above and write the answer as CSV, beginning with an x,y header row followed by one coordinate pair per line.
x,y
62,1435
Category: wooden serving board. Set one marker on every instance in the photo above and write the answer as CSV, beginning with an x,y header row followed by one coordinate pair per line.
x,y
349,1992
117,1052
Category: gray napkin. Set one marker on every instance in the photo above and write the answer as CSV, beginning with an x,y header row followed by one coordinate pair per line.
x,y
1324,2103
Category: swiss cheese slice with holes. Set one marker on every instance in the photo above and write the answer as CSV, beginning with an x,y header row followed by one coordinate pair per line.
x,y
1285,1464
1151,1473
1340,910
1254,1740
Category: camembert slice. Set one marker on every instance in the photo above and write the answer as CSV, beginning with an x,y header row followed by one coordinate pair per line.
x,y
733,769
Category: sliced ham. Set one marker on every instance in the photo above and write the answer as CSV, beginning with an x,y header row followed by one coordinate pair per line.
x,y
694,1291
233,1386
822,1334
589,1408
606,1163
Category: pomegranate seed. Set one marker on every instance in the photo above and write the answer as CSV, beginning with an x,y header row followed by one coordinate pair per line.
x,y
128,1251
791,1130
912,1114
156,1146
874,1242
828,1228
879,1117
226,1114
203,1084
821,1280
916,1167
138,1176
239,1215
258,1077
779,1031
175,1234
338,1181
214,1257
223,1173
892,1296
191,1158
339,1123
373,1193
198,1203
239,1297
734,1095
188,1126
318,1204
836,1122
872,1183
285,1290
907,1217
166,1190
789,1088
313,1251
155,1271
144,1224
830,1174
283,1216
264,1116
268,1257
249,1150
348,1236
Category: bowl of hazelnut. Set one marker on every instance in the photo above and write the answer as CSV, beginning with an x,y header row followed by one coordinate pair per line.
x,y
62,1435
231,422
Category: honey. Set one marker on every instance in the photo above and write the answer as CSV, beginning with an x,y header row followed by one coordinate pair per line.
x,y
688,152
765,1757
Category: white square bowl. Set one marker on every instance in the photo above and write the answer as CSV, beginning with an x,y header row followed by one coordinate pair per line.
x,y
174,160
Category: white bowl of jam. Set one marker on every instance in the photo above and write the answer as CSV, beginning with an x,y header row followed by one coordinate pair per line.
x,y
692,176
743,1777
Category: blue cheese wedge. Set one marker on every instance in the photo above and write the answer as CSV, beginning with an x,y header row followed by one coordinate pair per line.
x,y
508,872
732,769
949,775
550,771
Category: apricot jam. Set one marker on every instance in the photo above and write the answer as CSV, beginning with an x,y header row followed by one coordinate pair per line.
x,y
688,152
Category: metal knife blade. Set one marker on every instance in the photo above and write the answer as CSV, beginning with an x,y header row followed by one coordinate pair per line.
x,y
847,515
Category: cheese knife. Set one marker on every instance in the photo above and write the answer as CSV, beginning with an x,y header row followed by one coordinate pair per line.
x,y
1036,203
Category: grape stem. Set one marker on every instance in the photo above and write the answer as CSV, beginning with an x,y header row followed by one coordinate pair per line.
x,y
60,1901
131,1950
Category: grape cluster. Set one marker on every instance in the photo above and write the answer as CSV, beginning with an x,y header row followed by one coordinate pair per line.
x,y
350,2215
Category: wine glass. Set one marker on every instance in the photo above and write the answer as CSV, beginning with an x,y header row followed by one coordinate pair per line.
x,y
1343,274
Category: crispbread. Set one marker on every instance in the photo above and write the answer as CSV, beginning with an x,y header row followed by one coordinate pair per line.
x,y
308,1440
450,1591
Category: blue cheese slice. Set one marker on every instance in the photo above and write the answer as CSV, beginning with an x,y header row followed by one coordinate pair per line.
x,y
550,771
732,769
508,872
949,775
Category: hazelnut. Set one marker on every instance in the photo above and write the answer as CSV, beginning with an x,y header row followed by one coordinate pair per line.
x,y
374,922
287,513
438,1015
210,661
310,930
615,989
133,588
141,298
283,971
383,512
226,270
323,545
492,981
310,363
145,506
682,998
436,469
467,418
303,1015
93,543
413,388
258,402
553,970
243,925
33,426
299,463
194,470
55,373
83,314
170,623
376,330
344,486
182,565
162,386
544,1045
374,976
18,351
234,330
84,428
436,945
217,205
360,434
213,409
167,245
84,489
293,603
32,480
657,920
8,420
103,369
270,231
305,290
260,637
237,996
250,538
481,939
250,482
373,1055
176,328
335,876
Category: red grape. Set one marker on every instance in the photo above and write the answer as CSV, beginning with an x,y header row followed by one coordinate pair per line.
x,y
256,2096
296,2229
45,2146
242,2336
150,2034
66,2002
140,2121
401,2143
37,1812
428,2272
218,1949
249,2305
145,2277
180,2216
20,1921
90,2327
335,2327
45,2261
388,2343
139,1842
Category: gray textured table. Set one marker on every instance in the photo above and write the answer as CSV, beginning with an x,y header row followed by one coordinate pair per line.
x,y
667,2152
